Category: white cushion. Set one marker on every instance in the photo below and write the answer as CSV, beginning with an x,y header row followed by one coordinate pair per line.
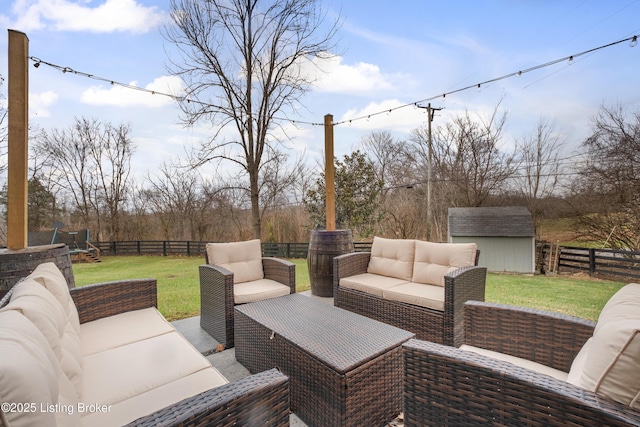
x,y
612,365
46,312
258,290
423,295
122,329
155,399
435,260
139,378
243,259
392,257
27,370
577,366
523,363
373,284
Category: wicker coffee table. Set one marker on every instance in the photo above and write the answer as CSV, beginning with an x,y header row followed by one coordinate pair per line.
x,y
344,369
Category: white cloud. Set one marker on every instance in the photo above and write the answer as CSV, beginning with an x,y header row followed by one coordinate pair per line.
x,y
385,115
68,15
125,97
334,76
39,103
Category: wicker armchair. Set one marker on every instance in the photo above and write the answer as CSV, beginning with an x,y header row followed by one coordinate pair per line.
x,y
445,327
218,295
447,386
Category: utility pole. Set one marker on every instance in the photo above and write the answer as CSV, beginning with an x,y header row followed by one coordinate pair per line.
x,y
430,113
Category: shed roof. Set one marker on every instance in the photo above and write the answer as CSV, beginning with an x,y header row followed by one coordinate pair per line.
x,y
509,221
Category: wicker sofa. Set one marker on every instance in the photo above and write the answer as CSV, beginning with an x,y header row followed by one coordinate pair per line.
x,y
237,273
521,366
102,355
415,285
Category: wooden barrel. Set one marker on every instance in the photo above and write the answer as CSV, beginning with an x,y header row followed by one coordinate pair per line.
x,y
19,263
323,247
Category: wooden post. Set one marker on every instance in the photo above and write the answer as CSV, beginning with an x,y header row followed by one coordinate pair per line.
x,y
329,174
17,183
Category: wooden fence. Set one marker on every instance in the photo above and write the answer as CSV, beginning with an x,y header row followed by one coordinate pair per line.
x,y
196,248
604,263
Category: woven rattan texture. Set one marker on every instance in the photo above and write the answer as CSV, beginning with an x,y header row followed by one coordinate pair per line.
x,y
445,386
445,327
216,295
256,400
344,369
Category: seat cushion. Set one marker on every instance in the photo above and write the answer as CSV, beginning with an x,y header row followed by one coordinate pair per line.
x,y
144,376
122,329
374,284
523,363
258,290
392,258
243,259
612,365
27,371
45,311
423,295
435,260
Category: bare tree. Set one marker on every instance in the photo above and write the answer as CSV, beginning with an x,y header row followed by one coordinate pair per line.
x,y
467,156
539,165
242,62
91,161
611,175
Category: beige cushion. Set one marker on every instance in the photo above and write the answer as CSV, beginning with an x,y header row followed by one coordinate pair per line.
x,y
122,329
258,290
243,259
523,363
370,283
429,296
434,260
45,311
155,399
577,366
612,365
50,276
27,370
139,378
392,257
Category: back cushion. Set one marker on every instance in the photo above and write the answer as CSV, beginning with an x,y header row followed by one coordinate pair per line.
x,y
27,369
243,259
434,260
392,257
612,364
48,315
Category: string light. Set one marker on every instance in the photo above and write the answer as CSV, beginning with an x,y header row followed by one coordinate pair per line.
x,y
633,41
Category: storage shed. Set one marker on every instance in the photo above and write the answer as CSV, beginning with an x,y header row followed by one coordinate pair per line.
x,y
505,236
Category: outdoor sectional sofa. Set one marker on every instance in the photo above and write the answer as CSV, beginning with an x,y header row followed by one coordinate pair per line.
x,y
415,285
524,366
103,355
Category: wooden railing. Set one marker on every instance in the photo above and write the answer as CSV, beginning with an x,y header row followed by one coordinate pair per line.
x,y
604,263
197,248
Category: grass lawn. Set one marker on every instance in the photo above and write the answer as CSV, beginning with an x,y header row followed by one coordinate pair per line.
x,y
179,289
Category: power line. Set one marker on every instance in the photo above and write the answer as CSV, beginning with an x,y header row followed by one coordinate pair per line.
x,y
633,41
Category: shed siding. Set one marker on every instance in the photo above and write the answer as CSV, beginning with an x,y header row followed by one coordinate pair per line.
x,y
504,254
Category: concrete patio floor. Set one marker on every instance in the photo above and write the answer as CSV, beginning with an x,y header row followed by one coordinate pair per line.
x,y
225,361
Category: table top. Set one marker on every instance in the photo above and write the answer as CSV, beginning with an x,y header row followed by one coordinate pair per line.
x,y
339,338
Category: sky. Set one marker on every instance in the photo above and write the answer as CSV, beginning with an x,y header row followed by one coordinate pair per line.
x,y
388,57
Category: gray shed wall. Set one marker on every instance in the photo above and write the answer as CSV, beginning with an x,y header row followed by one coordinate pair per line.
x,y
504,254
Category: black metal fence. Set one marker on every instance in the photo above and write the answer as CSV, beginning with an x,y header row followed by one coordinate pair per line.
x,y
604,263
196,248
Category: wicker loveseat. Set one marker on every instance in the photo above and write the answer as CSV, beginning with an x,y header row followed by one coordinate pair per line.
x,y
521,366
415,285
102,355
237,273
